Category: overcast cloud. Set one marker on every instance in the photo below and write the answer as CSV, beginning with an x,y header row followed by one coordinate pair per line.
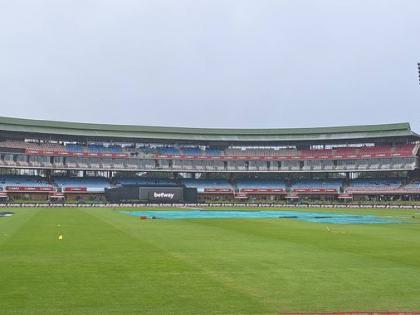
x,y
215,63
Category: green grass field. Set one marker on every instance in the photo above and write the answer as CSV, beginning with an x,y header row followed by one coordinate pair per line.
x,y
111,263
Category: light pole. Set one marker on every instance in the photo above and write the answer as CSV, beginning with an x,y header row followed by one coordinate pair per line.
x,y
418,67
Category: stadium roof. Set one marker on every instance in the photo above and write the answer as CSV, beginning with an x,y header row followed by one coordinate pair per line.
x,y
44,128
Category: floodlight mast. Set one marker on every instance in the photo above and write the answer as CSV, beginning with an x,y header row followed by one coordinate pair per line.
x,y
418,67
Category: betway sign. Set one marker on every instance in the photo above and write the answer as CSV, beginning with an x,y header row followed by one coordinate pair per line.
x,y
162,195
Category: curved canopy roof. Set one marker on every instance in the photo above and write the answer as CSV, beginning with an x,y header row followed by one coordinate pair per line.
x,y
58,129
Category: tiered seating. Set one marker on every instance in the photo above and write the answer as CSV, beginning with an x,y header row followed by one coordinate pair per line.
x,y
99,148
406,149
345,150
18,183
260,152
82,184
209,185
316,186
375,149
311,154
230,154
74,147
413,186
261,186
213,152
53,147
378,151
192,151
169,150
31,145
32,184
70,147
374,185
115,149
188,151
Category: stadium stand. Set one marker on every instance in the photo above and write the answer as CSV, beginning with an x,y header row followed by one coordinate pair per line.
x,y
74,147
16,183
209,185
377,185
413,186
312,186
81,184
383,159
259,186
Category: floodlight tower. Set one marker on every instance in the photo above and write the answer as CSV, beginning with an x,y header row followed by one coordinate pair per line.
x,y
418,67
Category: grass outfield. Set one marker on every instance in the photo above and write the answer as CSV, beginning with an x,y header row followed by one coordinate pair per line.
x,y
111,263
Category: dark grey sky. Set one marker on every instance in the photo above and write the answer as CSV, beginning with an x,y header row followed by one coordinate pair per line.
x,y
214,63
